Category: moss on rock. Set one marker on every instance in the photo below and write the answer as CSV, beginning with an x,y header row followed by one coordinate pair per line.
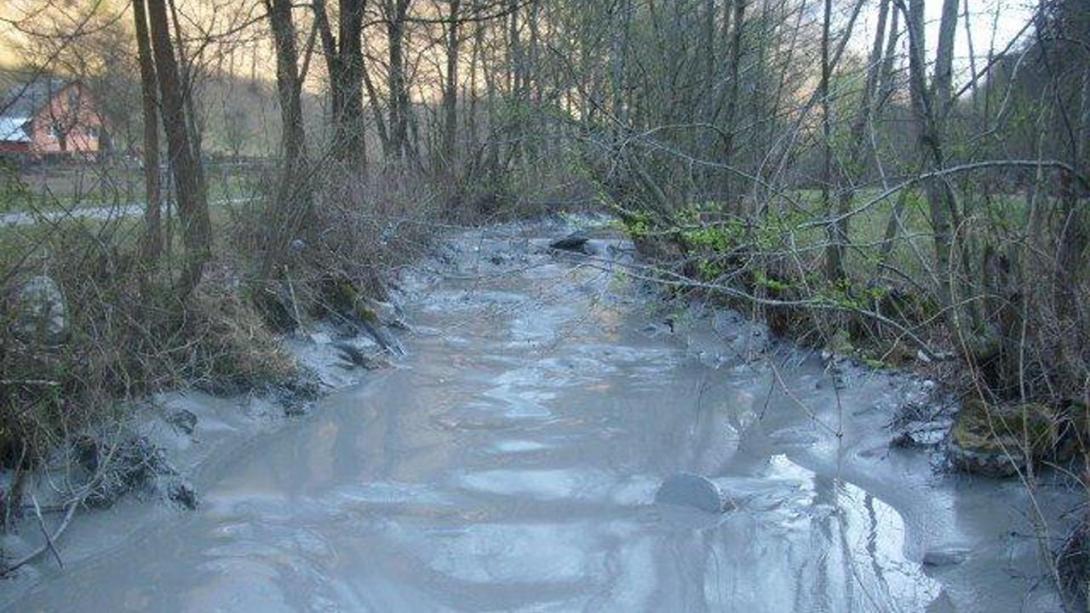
x,y
999,440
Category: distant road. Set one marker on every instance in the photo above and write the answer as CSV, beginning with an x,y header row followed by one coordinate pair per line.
x,y
26,218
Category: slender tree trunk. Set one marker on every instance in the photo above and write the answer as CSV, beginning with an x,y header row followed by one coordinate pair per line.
x,y
153,234
734,67
1075,231
399,96
833,252
846,189
376,111
939,194
450,90
944,59
185,160
292,207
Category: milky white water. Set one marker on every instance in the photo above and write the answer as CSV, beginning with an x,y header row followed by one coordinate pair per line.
x,y
511,460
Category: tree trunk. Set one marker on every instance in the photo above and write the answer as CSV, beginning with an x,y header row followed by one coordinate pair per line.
x,y
450,90
293,205
399,95
185,160
838,239
939,194
153,234
1075,231
344,61
833,252
734,67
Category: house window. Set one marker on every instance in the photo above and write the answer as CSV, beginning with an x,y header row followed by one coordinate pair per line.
x,y
55,131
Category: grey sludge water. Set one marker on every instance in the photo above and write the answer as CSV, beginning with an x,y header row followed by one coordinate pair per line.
x,y
512,460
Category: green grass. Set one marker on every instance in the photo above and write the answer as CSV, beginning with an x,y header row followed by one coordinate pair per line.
x,y
23,246
85,186
1002,215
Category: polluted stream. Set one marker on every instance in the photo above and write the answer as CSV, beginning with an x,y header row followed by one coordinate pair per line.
x,y
554,441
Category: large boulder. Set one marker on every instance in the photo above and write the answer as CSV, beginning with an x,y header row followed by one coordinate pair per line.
x,y
999,440
689,490
41,313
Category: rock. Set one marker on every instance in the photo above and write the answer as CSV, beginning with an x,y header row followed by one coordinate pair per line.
x,y
42,313
298,393
380,312
382,336
572,242
904,440
689,490
356,357
183,420
181,492
945,557
991,440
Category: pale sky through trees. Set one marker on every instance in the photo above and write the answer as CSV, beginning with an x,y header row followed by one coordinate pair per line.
x,y
1011,19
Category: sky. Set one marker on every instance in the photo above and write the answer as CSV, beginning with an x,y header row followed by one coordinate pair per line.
x,y
1012,16
982,22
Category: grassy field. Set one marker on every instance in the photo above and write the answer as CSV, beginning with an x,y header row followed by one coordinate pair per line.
x,y
30,247
69,186
913,246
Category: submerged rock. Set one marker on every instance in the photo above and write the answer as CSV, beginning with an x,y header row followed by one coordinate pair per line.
x,y
904,440
998,440
42,313
945,557
353,356
297,394
182,492
575,241
689,490
183,420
